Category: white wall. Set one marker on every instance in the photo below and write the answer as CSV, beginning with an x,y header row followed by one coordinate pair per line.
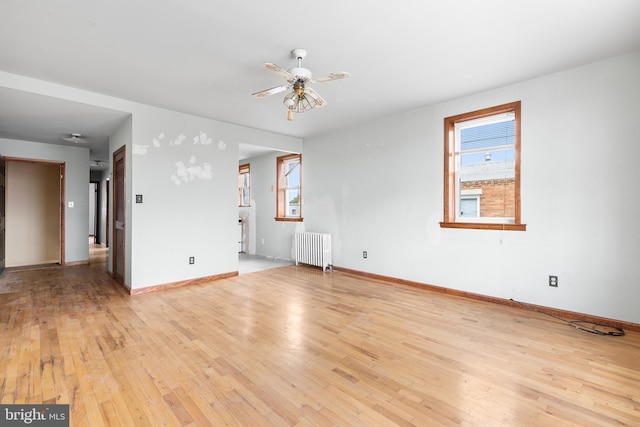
x,y
76,161
379,187
187,175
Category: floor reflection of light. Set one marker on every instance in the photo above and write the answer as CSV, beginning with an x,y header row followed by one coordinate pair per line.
x,y
295,320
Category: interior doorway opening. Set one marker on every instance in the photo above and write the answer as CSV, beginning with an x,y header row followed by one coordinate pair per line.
x,y
94,210
34,212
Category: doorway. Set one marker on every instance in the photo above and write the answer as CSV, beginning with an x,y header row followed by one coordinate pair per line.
x,y
107,214
94,210
33,212
2,216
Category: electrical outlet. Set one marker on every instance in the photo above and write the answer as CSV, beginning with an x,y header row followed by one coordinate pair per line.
x,y
192,260
553,281
364,254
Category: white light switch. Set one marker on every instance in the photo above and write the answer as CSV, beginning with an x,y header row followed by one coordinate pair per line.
x,y
70,204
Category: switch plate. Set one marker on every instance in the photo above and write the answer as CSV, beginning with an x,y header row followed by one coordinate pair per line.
x,y
138,198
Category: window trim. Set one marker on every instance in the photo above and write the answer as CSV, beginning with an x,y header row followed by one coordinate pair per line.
x,y
245,168
281,214
449,217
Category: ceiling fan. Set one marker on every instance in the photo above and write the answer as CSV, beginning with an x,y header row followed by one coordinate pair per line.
x,y
97,163
302,98
76,138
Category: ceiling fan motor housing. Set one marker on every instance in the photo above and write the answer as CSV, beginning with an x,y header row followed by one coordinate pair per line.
x,y
300,73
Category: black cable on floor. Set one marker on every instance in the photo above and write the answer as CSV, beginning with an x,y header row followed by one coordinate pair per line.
x,y
584,326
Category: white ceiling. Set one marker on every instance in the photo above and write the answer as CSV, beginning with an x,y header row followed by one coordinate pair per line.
x,y
205,57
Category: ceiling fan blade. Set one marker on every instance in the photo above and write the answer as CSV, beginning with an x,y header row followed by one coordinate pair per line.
x,y
278,70
271,91
332,76
310,93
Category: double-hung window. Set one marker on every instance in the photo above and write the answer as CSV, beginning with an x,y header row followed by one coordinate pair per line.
x,y
289,188
482,169
244,185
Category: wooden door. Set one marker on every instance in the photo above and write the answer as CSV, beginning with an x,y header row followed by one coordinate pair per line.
x,y
2,216
119,212
107,223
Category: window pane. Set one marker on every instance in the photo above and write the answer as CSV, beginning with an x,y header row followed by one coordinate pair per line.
x,y
293,202
293,173
494,164
486,163
497,199
486,136
293,196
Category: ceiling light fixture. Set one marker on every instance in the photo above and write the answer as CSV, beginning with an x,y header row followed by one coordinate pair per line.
x,y
297,101
75,137
301,98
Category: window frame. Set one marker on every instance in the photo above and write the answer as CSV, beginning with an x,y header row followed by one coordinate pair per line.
x,y
449,217
281,188
244,169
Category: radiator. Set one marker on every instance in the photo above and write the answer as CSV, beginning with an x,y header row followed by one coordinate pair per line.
x,y
314,249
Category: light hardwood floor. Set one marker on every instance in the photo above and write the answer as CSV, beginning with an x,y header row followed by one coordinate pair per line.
x,y
294,346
